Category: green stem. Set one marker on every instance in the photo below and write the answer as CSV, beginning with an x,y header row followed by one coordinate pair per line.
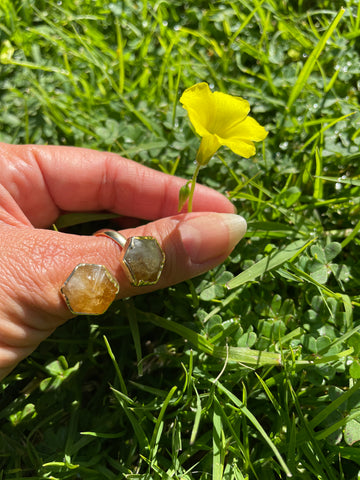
x,y
192,188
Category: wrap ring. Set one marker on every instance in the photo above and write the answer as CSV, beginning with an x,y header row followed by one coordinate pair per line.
x,y
142,258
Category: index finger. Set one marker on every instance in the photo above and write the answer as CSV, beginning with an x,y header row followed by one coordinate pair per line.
x,y
45,180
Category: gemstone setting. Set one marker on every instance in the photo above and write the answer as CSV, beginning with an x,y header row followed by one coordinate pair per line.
x,y
90,289
143,260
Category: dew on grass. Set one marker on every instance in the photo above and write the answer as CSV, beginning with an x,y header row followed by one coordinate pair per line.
x,y
338,185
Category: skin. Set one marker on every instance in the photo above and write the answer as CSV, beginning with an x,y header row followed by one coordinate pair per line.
x,y
38,183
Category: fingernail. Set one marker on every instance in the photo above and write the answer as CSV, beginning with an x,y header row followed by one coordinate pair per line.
x,y
210,236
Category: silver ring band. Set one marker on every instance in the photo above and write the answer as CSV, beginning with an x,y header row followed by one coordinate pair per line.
x,y
113,234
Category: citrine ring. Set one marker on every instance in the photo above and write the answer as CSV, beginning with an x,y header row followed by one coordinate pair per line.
x,y
90,289
142,258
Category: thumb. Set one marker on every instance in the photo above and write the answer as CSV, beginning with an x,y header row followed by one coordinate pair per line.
x,y
191,243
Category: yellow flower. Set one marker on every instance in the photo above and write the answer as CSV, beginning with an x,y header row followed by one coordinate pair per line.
x,y
221,119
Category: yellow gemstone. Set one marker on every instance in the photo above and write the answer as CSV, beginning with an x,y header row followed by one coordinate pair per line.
x,y
90,289
143,260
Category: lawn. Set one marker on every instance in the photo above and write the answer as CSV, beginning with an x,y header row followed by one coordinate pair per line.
x,y
252,370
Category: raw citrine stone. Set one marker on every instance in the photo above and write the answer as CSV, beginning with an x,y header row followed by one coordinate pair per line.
x,y
90,289
143,260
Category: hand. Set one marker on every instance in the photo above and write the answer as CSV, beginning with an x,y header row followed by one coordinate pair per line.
x,y
38,183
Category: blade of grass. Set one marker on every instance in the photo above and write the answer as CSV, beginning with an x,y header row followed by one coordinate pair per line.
x,y
198,34
271,229
318,184
247,356
290,336
310,63
352,235
197,418
236,354
291,450
175,103
270,395
245,22
256,424
103,435
218,443
310,438
346,181
322,434
159,426
135,332
145,147
159,471
196,339
327,411
116,366
243,452
308,278
120,55
124,402
328,124
268,263
71,219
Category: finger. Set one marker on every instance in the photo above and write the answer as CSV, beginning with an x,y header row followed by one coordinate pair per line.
x,y
78,179
39,261
35,264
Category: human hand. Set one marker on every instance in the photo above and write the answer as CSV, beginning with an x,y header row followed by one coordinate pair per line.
x,y
38,183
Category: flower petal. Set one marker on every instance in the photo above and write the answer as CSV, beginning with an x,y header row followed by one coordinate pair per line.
x,y
198,101
244,148
228,113
208,146
248,129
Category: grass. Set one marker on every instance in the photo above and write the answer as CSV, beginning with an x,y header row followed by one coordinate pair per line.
x,y
250,371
